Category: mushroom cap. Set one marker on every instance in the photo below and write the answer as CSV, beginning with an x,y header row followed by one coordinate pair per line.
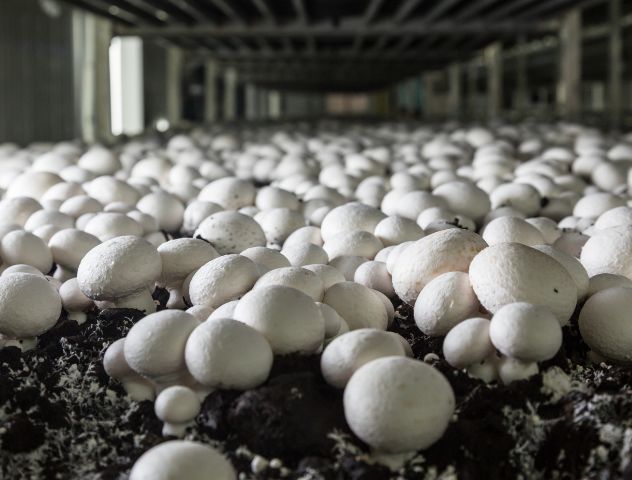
x,y
29,305
182,256
70,245
222,279
77,206
296,277
17,210
274,197
594,204
72,298
229,192
114,362
512,272
445,301
394,230
225,353
468,343
47,216
108,189
398,405
231,232
196,212
287,317
266,258
308,234
358,305
444,251
609,251
177,404
166,208
355,242
108,225
179,459
279,223
520,196
119,267
348,352
328,275
347,265
604,323
154,346
374,275
528,332
465,198
99,160
333,321
512,229
300,254
572,265
201,312
31,184
601,281
349,217
21,247
547,227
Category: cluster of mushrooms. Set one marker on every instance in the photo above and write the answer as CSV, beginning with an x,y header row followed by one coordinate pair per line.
x,y
295,242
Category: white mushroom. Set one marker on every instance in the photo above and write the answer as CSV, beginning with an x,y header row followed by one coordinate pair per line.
x,y
167,209
108,225
222,279
512,370
358,305
445,301
231,232
512,229
394,230
74,301
296,277
225,353
468,343
21,247
347,265
180,459
348,352
122,271
445,251
601,281
179,258
572,265
355,242
604,323
374,275
68,248
328,275
288,318
300,254
154,347
609,251
176,406
29,305
266,258
398,405
512,272
137,387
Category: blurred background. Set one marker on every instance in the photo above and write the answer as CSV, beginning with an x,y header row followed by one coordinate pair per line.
x,y
98,69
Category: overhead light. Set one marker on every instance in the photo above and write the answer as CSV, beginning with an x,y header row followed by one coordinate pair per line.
x,y
50,8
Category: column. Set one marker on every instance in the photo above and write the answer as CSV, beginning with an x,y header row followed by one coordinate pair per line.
x,y
274,104
454,90
430,100
251,102
615,70
230,94
494,67
211,72
522,89
472,90
173,84
569,91
91,43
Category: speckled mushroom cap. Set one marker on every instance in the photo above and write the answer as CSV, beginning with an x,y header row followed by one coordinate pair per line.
x,y
119,267
358,305
398,405
70,245
464,198
296,277
222,279
287,317
225,353
609,251
266,258
512,229
572,265
527,332
181,256
445,251
182,459
154,346
29,305
512,272
355,242
445,301
348,352
349,217
107,225
166,208
394,230
231,232
229,192
604,323
19,247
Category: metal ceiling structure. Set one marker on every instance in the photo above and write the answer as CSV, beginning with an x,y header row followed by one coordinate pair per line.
x,y
330,44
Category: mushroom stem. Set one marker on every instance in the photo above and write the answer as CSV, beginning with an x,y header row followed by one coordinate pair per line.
x,y
79,317
24,344
394,461
174,429
139,388
142,301
176,298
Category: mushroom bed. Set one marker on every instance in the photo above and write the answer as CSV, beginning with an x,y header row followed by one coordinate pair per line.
x,y
333,301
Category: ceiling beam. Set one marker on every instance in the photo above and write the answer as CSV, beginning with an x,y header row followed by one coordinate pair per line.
x,y
327,30
405,10
265,11
102,12
508,8
472,9
439,9
227,9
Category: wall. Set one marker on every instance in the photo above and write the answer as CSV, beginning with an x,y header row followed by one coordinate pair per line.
x,y
36,84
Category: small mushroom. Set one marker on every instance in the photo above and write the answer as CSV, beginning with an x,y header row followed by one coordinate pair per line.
x,y
179,258
68,247
601,281
374,275
445,301
21,247
526,332
288,318
394,230
355,242
137,387
305,254
74,301
513,370
512,229
358,305
296,277
348,352
398,405
328,275
166,208
180,459
266,258
225,353
176,406
154,347
222,279
468,343
604,324
609,251
231,232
